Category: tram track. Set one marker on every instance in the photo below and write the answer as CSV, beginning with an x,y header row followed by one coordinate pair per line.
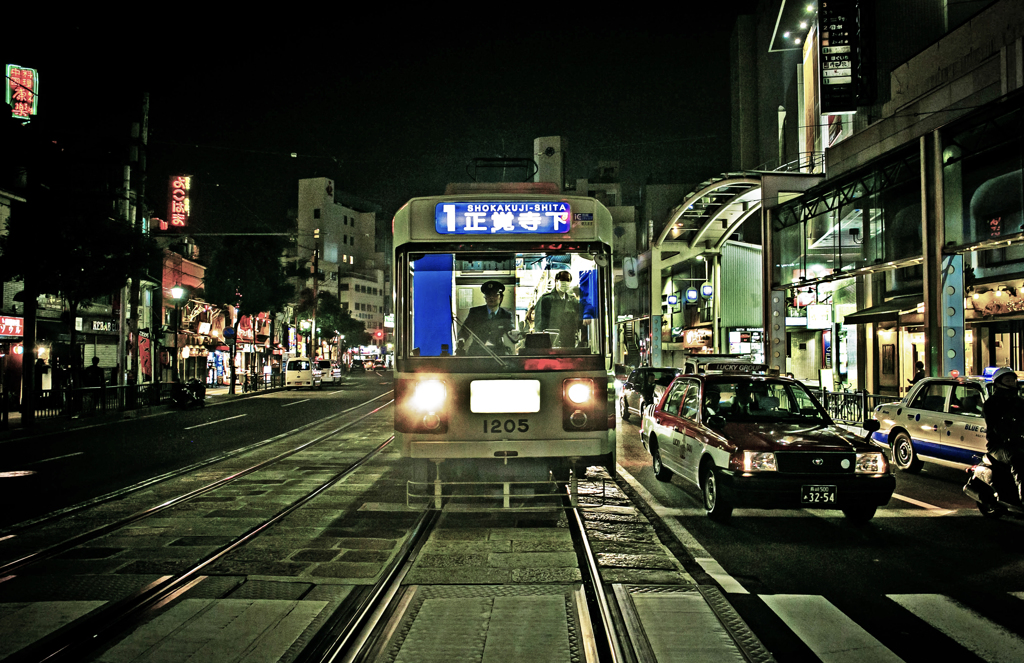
x,y
367,630
75,641
17,529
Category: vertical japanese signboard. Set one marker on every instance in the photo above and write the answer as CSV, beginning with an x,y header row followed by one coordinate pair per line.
x,y
178,206
838,56
22,91
145,357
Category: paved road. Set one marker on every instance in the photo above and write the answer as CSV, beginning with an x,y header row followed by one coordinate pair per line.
x,y
59,468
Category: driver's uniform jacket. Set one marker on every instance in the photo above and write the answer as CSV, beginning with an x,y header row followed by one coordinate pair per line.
x,y
1004,420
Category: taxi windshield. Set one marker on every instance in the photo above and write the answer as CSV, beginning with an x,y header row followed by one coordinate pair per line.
x,y
753,400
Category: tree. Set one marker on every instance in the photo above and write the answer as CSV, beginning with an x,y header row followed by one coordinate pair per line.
x,y
65,242
247,273
332,320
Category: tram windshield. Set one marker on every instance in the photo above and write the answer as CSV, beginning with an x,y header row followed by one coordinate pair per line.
x,y
498,304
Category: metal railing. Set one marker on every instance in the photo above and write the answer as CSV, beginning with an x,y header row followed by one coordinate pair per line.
x,y
86,401
109,399
850,407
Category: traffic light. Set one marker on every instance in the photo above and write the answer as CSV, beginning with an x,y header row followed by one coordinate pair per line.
x,y
379,334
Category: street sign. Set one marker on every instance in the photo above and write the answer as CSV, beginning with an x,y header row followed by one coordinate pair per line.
x,y
229,335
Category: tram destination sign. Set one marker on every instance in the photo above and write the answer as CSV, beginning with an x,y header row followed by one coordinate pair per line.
x,y
504,218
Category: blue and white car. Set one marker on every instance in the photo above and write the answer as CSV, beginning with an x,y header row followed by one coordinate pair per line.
x,y
939,421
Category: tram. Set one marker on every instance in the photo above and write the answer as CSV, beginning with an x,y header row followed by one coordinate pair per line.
x,y
524,394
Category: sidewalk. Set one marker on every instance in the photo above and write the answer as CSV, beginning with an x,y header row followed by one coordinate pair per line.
x,y
51,425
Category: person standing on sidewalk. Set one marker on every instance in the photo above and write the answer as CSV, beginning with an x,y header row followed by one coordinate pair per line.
x,y
94,379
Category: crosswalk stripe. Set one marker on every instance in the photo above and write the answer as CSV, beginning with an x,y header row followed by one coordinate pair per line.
x,y
830,634
987,640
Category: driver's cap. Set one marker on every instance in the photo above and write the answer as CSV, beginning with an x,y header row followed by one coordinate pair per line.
x,y
492,288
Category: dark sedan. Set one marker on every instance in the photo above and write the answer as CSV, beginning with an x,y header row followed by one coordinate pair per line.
x,y
763,442
643,387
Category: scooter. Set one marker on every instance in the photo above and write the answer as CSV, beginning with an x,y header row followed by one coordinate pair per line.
x,y
991,485
190,394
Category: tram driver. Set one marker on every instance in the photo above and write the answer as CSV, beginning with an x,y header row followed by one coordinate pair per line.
x,y
488,324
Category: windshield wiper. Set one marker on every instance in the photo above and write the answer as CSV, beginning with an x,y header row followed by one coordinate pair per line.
x,y
492,353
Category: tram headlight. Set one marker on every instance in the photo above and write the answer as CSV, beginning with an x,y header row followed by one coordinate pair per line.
x,y
421,405
584,406
429,396
579,392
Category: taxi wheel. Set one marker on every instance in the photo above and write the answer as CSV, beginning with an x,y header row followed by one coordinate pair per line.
x,y
623,409
661,473
716,505
993,511
860,513
903,454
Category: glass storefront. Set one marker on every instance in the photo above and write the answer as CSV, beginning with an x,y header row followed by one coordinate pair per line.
x,y
867,221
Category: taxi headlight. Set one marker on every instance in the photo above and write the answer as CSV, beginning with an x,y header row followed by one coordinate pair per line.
x,y
759,461
579,393
871,463
428,396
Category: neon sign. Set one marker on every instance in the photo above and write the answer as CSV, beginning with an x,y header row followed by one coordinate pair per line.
x,y
22,90
503,218
178,210
12,326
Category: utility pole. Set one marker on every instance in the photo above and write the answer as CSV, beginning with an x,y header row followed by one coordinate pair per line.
x,y
140,136
316,278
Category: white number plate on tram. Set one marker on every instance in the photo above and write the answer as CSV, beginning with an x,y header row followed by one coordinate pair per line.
x,y
517,396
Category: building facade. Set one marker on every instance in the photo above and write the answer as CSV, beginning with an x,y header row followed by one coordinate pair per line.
x,y
911,248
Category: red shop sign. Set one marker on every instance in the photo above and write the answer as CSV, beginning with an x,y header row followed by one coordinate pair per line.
x,y
12,326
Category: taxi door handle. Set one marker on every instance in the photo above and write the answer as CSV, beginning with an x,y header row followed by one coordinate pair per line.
x,y
948,423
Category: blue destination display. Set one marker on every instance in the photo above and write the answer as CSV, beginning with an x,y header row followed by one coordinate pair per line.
x,y
502,218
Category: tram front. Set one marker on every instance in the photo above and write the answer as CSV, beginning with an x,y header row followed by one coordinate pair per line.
x,y
503,357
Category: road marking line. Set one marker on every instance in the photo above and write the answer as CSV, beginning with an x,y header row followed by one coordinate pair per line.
x,y
210,423
697,551
989,641
829,633
296,402
47,460
923,505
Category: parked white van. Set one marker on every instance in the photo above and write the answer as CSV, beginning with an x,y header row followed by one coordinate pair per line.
x,y
301,373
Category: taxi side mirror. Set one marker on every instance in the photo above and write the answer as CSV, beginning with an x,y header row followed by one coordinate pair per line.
x,y
716,421
872,425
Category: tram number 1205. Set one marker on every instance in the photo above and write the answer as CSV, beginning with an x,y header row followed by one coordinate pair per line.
x,y
506,426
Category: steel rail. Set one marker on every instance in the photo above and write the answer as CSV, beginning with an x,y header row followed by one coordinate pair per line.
x,y
103,530
15,528
346,638
604,620
99,628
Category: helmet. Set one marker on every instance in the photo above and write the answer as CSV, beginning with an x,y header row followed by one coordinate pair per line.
x,y
1002,373
492,287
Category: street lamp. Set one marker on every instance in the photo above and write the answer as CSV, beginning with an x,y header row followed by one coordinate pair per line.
x,y
176,293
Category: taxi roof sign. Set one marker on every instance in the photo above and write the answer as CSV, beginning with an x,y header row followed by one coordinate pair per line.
x,y
735,367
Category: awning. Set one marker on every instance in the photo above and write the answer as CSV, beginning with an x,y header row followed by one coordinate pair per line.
x,y
887,311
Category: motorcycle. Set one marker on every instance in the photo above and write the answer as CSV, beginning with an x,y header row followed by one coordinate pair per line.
x,y
991,486
190,394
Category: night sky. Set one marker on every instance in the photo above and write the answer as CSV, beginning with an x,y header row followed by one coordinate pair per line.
x,y
389,113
